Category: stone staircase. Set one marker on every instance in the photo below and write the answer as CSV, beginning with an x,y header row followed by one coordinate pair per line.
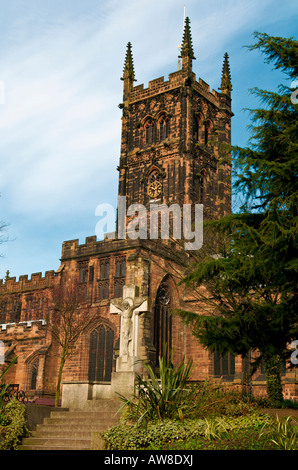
x,y
72,430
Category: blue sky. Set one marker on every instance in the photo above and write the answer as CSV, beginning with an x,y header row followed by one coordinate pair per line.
x,y
60,125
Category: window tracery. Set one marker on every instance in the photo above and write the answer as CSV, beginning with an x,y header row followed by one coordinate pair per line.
x,y
208,130
163,128
149,131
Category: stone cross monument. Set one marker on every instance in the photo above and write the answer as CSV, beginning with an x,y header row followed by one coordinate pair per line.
x,y
129,307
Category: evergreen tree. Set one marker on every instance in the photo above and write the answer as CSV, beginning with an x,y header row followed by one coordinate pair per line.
x,y
250,281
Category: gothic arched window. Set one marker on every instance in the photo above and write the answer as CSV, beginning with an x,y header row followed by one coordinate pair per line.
x,y
120,273
202,179
103,290
34,373
101,354
162,334
149,131
208,130
104,268
163,125
198,125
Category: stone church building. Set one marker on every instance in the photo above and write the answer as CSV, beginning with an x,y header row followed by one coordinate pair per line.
x,y
172,135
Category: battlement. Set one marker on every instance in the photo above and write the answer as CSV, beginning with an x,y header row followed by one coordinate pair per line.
x,y
158,85
204,89
24,283
21,326
176,80
72,249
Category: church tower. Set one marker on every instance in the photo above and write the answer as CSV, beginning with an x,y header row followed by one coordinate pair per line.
x,y
175,135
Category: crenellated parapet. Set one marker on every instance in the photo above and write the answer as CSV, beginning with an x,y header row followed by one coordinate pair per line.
x,y
72,249
24,283
21,328
176,80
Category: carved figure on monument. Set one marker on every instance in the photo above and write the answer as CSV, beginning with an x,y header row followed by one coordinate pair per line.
x,y
126,308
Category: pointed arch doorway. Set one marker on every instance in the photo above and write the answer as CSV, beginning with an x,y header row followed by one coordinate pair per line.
x,y
162,332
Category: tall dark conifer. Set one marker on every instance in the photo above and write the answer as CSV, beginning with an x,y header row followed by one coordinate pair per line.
x,y
252,283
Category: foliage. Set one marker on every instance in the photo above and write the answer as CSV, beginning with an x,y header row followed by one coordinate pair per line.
x,y
266,172
200,400
249,300
4,420
274,385
162,396
254,431
4,387
289,404
237,439
14,428
217,418
210,399
284,434
159,434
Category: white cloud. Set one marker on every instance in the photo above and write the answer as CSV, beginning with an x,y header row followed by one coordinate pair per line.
x,y
55,121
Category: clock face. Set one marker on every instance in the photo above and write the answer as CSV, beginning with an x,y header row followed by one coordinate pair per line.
x,y
154,185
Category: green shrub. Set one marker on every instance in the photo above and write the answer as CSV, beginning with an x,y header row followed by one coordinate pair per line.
x,y
160,434
164,396
239,408
289,404
4,420
4,387
211,399
236,439
284,434
171,413
15,427
264,402
170,397
273,380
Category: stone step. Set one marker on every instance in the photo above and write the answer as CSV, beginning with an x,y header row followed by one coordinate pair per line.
x,y
72,429
60,430
52,447
81,414
76,434
54,442
105,405
78,421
